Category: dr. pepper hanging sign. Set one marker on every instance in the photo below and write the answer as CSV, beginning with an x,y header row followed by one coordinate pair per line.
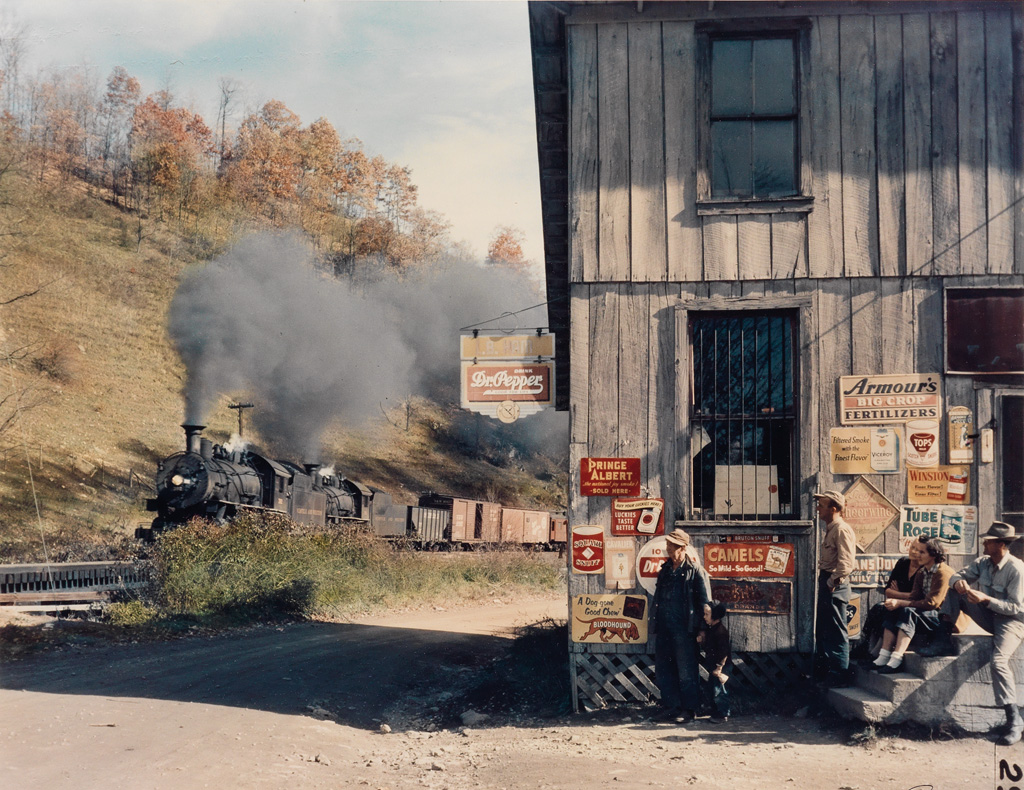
x,y
508,376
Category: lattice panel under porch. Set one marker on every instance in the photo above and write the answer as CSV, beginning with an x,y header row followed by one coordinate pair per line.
x,y
764,674
603,679
606,679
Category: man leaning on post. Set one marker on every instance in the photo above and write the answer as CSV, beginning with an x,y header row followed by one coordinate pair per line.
x,y
991,591
835,564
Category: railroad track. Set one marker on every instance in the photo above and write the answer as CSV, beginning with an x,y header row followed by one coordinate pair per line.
x,y
66,585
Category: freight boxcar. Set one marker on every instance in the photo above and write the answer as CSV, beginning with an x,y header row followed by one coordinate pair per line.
x,y
527,527
472,521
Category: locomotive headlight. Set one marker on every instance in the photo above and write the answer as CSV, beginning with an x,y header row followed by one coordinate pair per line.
x,y
178,480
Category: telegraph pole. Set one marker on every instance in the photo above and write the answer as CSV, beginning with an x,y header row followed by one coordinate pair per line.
x,y
240,408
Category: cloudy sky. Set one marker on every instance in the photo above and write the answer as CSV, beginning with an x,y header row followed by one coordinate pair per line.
x,y
441,86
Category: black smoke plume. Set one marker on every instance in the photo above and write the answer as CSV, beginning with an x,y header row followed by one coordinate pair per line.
x,y
309,348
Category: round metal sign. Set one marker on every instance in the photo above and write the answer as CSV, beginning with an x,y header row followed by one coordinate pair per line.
x,y
508,411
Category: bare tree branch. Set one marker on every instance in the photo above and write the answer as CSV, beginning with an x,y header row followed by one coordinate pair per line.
x,y
27,294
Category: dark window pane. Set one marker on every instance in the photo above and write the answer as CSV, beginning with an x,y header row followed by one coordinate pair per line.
x,y
774,86
725,443
730,77
730,154
985,330
774,167
1012,454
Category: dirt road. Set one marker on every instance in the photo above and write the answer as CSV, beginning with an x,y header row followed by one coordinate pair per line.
x,y
301,706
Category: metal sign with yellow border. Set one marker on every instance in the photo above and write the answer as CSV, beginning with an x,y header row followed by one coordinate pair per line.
x,y
609,619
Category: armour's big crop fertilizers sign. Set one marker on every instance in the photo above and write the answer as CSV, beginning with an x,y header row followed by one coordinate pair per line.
x,y
890,398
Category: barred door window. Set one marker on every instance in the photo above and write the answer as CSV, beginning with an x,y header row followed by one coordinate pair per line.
x,y
743,420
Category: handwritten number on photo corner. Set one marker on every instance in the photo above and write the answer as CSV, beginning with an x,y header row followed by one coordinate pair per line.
x,y
1010,771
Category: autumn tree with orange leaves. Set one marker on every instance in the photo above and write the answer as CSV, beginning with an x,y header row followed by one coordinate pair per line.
x,y
264,168
171,150
163,163
506,248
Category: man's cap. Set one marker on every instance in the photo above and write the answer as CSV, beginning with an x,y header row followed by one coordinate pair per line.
x,y
678,537
835,496
1000,530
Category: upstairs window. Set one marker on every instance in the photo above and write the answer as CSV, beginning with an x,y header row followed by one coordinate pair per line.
x,y
754,115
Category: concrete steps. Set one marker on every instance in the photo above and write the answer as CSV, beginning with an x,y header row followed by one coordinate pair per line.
x,y
954,690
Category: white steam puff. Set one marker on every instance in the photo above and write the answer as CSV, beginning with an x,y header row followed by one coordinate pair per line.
x,y
308,348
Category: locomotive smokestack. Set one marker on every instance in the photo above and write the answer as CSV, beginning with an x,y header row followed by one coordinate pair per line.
x,y
193,438
311,470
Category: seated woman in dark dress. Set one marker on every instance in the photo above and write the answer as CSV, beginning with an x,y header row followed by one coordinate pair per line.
x,y
898,587
919,613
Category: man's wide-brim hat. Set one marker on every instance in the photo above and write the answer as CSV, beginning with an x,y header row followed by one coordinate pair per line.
x,y
1000,530
678,537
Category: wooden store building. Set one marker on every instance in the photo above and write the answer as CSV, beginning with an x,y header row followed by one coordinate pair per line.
x,y
784,253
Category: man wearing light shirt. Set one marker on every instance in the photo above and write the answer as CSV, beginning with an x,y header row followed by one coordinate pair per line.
x,y
835,563
991,591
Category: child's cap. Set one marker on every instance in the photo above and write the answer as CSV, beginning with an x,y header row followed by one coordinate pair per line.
x,y
717,610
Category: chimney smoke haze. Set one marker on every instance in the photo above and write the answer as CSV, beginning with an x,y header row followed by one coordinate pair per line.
x,y
309,348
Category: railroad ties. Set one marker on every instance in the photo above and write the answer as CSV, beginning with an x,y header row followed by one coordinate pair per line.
x,y
65,585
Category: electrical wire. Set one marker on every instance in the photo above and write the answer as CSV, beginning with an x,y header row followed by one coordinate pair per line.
x,y
515,313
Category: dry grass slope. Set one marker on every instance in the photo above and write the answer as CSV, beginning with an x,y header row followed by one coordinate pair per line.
x,y
109,380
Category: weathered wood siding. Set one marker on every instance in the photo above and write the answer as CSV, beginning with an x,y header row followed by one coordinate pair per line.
x,y
913,157
631,397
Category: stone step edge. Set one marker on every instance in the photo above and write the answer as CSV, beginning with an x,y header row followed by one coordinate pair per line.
x,y
858,703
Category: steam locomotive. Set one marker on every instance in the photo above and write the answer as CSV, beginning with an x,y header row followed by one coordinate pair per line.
x,y
216,482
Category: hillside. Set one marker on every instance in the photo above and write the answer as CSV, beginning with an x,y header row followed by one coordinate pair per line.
x,y
89,358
